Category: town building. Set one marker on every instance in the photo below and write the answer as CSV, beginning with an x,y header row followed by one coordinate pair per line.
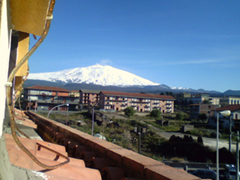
x,y
202,98
197,109
32,157
45,98
186,95
117,101
229,100
214,100
235,116
74,93
88,97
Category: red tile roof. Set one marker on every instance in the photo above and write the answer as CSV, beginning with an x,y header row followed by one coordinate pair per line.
x,y
229,107
48,88
75,91
74,170
141,95
114,162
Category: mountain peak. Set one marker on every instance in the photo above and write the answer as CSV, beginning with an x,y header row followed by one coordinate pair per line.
x,y
104,75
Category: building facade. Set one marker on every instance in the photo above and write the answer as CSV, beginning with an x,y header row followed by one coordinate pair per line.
x,y
235,116
117,101
45,98
197,109
230,100
88,97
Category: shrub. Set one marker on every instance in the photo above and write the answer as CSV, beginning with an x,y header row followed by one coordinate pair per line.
x,y
156,113
180,116
129,111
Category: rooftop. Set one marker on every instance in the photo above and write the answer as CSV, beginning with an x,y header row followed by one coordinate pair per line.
x,y
140,95
89,91
48,88
229,107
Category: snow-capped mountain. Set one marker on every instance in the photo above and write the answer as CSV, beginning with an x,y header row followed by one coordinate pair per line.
x,y
97,74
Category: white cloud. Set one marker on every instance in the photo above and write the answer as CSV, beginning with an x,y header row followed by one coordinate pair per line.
x,y
205,61
105,62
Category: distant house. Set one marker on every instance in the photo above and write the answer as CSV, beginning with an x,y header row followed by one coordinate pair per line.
x,y
229,100
208,109
74,93
88,97
203,98
45,98
117,101
235,113
186,95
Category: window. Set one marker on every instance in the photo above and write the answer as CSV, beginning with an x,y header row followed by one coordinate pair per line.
x,y
44,95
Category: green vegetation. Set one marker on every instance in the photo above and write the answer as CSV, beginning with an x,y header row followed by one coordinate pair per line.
x,y
202,117
206,101
180,116
156,113
121,131
129,111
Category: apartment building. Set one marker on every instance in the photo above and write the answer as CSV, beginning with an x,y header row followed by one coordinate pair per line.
x,y
88,97
200,98
117,101
229,100
208,109
235,116
214,100
74,93
45,98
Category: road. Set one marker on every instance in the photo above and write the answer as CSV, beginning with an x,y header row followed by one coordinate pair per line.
x,y
211,142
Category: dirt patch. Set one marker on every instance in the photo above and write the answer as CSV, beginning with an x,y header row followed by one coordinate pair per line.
x,y
114,116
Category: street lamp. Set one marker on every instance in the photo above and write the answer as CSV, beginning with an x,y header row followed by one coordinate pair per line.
x,y
223,113
56,107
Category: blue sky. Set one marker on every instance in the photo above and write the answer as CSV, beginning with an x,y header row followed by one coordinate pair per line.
x,y
180,43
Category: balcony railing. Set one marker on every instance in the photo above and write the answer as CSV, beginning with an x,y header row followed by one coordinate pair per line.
x,y
116,100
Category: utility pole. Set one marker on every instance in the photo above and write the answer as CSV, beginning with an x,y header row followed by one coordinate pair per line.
x,y
92,120
237,160
217,151
230,133
139,142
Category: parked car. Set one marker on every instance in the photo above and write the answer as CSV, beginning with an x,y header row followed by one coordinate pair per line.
x,y
205,174
230,172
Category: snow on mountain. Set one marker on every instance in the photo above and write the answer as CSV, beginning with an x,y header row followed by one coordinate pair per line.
x,y
96,74
180,88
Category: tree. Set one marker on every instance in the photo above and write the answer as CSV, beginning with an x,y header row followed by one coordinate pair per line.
x,y
206,101
156,113
129,111
202,116
180,116
169,93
